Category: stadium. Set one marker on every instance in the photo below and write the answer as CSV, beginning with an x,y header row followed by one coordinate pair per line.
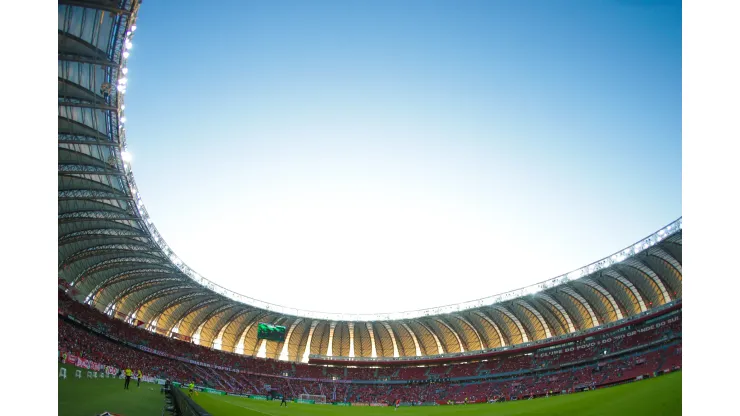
x,y
127,301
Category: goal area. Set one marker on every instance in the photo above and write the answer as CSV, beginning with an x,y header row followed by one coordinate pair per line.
x,y
312,398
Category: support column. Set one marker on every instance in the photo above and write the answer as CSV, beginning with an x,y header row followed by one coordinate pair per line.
x,y
307,351
240,343
374,353
393,339
331,338
284,352
351,326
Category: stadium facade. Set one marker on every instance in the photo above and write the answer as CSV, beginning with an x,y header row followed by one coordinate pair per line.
x,y
111,255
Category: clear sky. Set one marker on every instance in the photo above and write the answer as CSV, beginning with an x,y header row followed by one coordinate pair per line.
x,y
380,156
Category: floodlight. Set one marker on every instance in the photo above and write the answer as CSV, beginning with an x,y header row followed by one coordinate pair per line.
x,y
123,119
125,54
133,28
124,70
126,156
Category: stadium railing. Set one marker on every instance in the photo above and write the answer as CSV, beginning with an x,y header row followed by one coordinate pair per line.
x,y
185,406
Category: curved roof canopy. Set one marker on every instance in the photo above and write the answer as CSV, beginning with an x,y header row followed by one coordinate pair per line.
x,y
112,256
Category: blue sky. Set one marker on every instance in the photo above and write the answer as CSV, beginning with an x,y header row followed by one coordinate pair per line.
x,y
381,156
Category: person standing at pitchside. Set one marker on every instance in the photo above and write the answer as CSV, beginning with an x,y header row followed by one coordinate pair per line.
x,y
128,373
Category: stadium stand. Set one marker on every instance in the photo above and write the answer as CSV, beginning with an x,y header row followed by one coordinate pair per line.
x,y
620,355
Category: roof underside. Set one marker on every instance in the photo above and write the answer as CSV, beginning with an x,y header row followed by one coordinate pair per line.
x,y
112,258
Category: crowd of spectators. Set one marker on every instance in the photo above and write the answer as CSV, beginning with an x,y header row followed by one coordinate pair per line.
x,y
464,370
97,337
77,341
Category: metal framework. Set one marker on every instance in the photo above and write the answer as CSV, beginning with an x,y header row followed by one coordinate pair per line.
x,y
112,255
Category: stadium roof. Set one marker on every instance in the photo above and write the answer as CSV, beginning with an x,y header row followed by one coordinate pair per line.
x,y
112,256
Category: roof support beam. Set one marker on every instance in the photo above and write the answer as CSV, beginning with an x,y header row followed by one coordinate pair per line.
x,y
614,274
457,337
129,235
440,350
216,312
87,60
156,295
493,324
139,285
572,293
92,142
393,338
99,5
537,315
606,294
475,331
240,341
511,316
129,275
307,351
193,309
374,352
663,254
547,298
174,302
351,326
228,321
97,106
413,337
284,352
136,248
645,269
329,346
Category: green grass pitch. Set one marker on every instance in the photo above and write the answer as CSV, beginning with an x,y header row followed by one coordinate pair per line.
x,y
89,397
653,397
